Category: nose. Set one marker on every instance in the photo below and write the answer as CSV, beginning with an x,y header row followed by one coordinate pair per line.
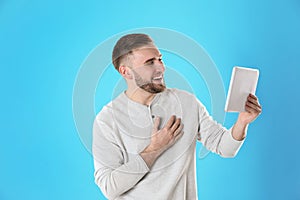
x,y
160,66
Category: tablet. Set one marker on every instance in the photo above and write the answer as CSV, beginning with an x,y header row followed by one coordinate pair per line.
x,y
243,81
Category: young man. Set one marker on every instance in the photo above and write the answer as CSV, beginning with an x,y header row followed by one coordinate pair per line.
x,y
144,140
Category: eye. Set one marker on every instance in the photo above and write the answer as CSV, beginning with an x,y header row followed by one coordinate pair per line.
x,y
151,62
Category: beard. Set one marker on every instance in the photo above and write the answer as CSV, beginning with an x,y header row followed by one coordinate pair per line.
x,y
148,86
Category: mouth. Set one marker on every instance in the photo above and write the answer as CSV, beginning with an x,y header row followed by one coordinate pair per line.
x,y
158,78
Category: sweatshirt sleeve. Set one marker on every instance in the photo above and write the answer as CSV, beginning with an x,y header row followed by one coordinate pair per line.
x,y
214,136
112,174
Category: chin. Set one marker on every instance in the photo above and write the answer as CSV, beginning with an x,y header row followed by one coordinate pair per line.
x,y
154,88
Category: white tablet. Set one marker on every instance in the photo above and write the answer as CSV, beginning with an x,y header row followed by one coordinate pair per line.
x,y
243,81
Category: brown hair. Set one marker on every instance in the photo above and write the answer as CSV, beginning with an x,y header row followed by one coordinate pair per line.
x,y
126,44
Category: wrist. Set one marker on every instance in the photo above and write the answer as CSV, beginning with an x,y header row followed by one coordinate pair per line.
x,y
242,122
150,155
149,151
239,130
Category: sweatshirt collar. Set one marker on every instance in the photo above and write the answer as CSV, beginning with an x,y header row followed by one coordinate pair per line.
x,y
154,100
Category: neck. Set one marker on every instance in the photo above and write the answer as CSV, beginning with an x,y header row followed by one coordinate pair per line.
x,y
140,96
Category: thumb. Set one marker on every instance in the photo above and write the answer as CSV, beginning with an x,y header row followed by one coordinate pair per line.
x,y
156,124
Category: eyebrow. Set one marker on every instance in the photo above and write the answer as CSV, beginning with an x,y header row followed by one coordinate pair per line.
x,y
151,59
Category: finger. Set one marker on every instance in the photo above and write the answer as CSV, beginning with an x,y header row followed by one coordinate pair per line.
x,y
178,135
170,122
156,124
175,125
178,130
252,96
252,105
253,100
252,110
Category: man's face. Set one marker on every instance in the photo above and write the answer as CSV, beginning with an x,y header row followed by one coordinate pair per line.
x,y
148,69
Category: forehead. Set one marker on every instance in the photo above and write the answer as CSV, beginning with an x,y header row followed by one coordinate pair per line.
x,y
144,53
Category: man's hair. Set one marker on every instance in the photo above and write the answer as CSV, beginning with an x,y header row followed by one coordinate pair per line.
x,y
126,44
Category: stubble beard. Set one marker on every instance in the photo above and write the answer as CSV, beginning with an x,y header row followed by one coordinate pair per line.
x,y
148,86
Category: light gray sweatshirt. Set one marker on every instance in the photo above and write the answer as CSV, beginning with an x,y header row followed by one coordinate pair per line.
x,y
122,129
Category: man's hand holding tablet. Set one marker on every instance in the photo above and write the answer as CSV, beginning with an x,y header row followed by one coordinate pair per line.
x,y
241,98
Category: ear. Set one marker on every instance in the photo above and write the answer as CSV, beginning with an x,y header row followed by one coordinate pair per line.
x,y
125,72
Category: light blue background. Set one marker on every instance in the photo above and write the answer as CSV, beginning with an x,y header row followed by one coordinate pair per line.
x,y
42,45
